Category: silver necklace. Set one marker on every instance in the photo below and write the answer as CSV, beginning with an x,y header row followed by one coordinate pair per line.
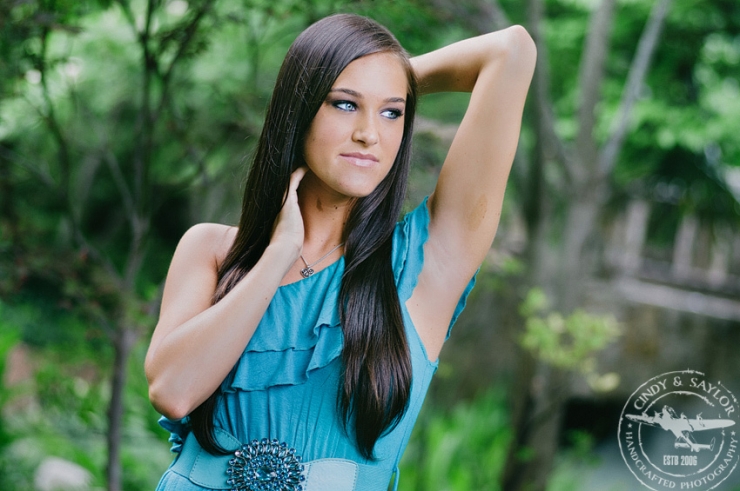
x,y
308,270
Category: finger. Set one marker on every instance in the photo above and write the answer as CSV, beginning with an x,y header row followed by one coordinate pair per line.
x,y
296,177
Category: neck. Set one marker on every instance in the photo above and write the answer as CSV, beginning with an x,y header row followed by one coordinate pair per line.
x,y
324,217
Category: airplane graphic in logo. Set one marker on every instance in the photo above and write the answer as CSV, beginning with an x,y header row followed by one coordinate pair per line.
x,y
682,427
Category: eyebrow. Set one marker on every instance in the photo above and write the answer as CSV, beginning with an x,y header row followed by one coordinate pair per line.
x,y
354,93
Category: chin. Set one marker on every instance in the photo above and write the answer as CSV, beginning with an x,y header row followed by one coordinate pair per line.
x,y
358,190
357,194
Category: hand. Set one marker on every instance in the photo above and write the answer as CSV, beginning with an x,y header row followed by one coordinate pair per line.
x,y
288,227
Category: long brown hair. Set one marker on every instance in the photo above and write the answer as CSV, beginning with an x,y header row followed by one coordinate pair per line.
x,y
376,361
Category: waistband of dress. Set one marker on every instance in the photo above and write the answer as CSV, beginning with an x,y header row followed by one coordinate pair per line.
x,y
210,471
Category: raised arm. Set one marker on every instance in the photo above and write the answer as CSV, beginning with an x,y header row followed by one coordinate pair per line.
x,y
466,204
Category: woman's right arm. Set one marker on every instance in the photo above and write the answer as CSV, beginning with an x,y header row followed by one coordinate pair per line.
x,y
195,343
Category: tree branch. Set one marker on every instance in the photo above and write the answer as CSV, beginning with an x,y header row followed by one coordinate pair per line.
x,y
635,78
129,15
62,190
190,31
49,117
482,16
124,191
552,146
30,166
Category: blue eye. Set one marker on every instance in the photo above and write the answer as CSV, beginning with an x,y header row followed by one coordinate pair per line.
x,y
344,105
392,113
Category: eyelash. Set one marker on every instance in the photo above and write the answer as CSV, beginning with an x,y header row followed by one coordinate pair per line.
x,y
341,105
395,113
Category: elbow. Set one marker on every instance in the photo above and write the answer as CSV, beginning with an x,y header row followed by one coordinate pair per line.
x,y
168,404
517,48
525,47
171,412
168,401
518,36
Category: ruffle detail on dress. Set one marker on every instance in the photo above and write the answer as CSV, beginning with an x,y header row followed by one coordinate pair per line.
x,y
300,332
409,239
407,254
178,429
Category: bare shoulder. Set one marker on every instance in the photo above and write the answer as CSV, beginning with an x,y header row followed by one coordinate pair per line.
x,y
193,274
209,242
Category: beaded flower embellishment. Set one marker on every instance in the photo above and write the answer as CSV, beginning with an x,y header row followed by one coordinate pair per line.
x,y
265,466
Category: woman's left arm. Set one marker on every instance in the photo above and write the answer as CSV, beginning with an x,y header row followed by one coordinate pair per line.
x,y
466,204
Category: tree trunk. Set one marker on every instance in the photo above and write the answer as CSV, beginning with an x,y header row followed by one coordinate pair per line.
x,y
123,341
539,430
683,249
520,407
579,226
630,249
719,265
592,71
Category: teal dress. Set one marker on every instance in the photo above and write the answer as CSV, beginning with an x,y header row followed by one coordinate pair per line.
x,y
283,391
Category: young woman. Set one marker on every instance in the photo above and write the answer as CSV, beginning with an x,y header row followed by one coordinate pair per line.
x,y
294,351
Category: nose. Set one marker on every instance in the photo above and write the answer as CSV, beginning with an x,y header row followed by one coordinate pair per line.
x,y
366,131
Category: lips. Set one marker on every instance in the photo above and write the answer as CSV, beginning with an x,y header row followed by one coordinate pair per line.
x,y
360,159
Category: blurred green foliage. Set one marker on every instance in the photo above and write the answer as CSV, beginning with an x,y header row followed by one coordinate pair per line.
x,y
110,128
569,342
8,339
460,449
60,410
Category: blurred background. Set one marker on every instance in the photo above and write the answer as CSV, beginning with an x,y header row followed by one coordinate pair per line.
x,y
124,122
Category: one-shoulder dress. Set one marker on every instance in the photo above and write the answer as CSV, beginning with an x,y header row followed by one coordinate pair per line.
x,y
280,400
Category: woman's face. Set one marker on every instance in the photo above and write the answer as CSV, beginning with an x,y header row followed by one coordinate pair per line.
x,y
354,138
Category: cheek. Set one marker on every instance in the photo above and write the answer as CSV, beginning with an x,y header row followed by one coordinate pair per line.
x,y
394,140
313,135
309,145
315,142
323,134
